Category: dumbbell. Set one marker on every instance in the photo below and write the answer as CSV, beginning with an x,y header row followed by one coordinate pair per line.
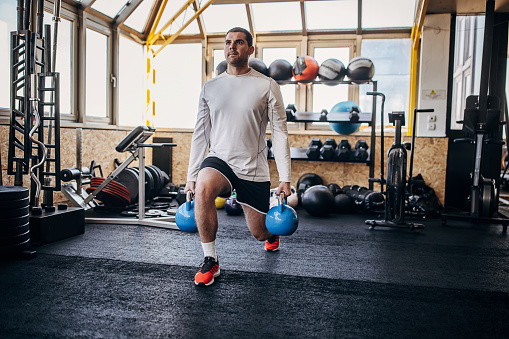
x,y
327,151
361,150
68,174
342,153
354,114
313,151
290,112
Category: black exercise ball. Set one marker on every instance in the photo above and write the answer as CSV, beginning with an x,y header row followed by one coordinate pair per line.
x,y
332,69
335,189
280,70
318,201
360,69
223,65
309,179
232,207
258,65
343,203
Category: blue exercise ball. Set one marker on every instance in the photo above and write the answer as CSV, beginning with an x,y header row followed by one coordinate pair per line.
x,y
345,127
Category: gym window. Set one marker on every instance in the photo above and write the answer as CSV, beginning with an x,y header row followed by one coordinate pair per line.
x,y
392,71
7,25
178,85
467,64
131,83
97,82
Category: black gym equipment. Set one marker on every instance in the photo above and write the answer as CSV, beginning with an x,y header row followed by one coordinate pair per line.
x,y
482,128
290,112
221,67
396,181
342,153
134,143
368,200
328,148
331,69
360,69
343,204
313,151
318,201
258,65
280,70
361,150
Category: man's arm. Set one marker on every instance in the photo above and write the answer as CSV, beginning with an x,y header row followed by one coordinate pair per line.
x,y
200,142
280,143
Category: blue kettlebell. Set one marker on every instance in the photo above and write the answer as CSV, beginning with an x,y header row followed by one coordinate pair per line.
x,y
184,218
282,219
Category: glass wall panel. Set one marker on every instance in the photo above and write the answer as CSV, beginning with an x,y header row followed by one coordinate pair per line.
x,y
96,74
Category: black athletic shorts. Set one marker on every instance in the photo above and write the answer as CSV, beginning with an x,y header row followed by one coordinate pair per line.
x,y
251,193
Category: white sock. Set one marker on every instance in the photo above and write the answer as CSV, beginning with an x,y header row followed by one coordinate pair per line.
x,y
209,249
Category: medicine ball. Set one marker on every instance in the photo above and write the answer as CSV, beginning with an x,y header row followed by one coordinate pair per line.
x,y
342,127
221,67
308,180
318,201
335,189
220,202
232,207
258,65
360,69
305,68
343,203
280,70
332,69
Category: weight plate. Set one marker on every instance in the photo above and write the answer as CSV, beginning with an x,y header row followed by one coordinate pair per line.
x,y
15,221
13,213
112,188
149,183
8,193
16,203
9,231
14,239
15,248
129,178
157,180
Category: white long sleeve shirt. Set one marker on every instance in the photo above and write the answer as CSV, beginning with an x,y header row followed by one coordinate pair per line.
x,y
233,114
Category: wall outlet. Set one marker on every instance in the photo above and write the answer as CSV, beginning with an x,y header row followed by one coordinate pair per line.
x,y
432,126
432,118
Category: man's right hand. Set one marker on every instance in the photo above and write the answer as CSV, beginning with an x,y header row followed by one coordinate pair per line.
x,y
190,185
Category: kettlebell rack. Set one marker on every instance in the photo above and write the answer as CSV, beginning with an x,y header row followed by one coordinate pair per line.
x,y
299,153
134,143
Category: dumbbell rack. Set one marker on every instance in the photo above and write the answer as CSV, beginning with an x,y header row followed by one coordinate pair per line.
x,y
299,153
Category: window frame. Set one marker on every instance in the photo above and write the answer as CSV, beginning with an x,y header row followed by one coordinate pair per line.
x,y
110,114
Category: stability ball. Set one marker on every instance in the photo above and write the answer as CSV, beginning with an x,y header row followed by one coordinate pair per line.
x,y
343,203
342,127
318,201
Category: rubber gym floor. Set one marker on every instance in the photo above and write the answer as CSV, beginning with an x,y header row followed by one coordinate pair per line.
x,y
333,278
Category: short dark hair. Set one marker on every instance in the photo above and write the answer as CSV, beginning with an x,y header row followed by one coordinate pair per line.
x,y
249,37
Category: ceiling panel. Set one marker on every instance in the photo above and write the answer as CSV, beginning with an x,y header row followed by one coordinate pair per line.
x,y
464,6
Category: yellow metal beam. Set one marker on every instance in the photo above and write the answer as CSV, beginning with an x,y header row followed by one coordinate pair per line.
x,y
156,21
416,39
180,11
174,36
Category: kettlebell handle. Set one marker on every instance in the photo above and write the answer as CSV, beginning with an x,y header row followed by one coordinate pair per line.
x,y
281,202
189,196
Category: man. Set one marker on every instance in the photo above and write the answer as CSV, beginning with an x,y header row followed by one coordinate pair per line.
x,y
234,110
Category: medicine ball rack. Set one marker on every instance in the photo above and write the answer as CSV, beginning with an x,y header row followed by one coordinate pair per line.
x,y
134,143
299,153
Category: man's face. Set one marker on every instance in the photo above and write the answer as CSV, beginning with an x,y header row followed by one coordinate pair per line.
x,y
236,50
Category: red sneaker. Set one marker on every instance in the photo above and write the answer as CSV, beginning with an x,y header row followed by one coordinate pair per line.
x,y
208,271
272,246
